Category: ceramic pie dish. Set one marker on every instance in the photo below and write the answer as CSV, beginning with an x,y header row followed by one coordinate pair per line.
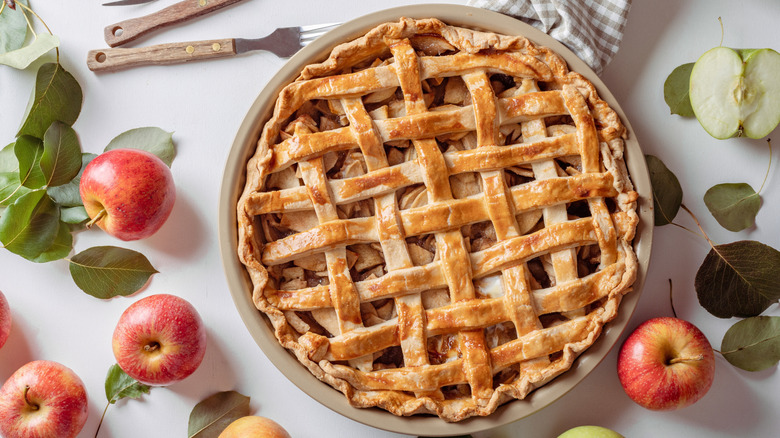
x,y
487,257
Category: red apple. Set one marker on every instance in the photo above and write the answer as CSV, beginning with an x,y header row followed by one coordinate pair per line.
x,y
5,320
666,364
254,426
129,193
159,340
42,399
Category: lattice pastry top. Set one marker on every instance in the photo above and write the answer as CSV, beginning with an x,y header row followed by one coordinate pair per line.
x,y
438,220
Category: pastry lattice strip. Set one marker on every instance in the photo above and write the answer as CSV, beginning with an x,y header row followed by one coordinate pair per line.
x,y
449,242
408,307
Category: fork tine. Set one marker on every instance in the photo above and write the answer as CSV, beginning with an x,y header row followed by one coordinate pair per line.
x,y
320,28
314,31
311,36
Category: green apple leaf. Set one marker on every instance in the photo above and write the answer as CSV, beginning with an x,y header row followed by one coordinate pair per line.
x,y
108,271
753,344
13,28
23,57
734,206
60,248
29,151
739,279
30,225
119,385
8,161
150,139
57,97
676,89
61,159
667,192
11,188
74,215
213,414
67,195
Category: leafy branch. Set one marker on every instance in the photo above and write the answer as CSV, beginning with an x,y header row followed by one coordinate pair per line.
x,y
40,171
208,418
737,279
119,385
734,279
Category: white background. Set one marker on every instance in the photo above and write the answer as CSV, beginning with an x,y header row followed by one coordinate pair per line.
x,y
204,103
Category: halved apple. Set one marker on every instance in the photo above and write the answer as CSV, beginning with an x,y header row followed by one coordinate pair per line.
x,y
736,91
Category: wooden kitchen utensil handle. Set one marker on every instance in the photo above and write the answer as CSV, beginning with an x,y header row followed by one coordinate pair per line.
x,y
172,53
128,30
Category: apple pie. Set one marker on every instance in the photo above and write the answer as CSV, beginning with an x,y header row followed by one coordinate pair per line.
x,y
438,220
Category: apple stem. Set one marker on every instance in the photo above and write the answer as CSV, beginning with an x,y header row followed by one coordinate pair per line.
x,y
29,24
698,224
769,143
686,359
100,423
97,217
32,406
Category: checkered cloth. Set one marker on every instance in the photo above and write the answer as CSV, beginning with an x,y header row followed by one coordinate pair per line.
x,y
592,29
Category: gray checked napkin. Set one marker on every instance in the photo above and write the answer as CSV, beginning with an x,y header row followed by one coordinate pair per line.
x,y
592,29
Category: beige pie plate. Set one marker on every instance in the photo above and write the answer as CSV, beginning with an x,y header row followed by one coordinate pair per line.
x,y
259,326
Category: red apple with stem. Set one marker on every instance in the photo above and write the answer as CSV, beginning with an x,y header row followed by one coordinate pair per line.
x,y
42,399
159,340
5,319
129,193
665,364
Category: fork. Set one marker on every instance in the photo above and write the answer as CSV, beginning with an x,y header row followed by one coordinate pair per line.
x,y
284,42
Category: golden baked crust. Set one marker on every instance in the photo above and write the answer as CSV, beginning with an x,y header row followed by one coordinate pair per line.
x,y
438,220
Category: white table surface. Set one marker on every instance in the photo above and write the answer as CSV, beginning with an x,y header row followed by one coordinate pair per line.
x,y
204,103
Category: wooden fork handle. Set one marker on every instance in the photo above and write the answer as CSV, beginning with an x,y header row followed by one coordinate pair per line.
x,y
128,30
106,60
